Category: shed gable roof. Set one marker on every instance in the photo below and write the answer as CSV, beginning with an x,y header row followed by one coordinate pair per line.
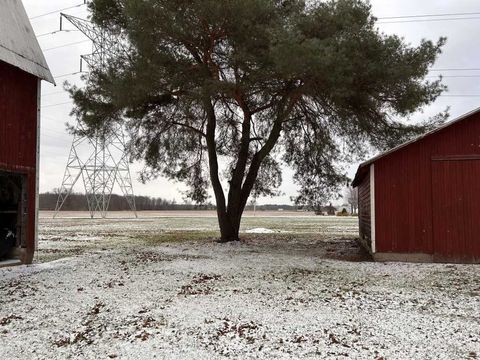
x,y
362,168
18,44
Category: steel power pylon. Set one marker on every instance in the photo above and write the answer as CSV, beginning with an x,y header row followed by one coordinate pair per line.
x,y
107,162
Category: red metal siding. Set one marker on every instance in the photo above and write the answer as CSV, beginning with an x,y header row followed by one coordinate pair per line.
x,y
403,188
18,132
456,208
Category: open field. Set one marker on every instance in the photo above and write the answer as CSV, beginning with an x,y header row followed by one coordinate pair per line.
x,y
160,287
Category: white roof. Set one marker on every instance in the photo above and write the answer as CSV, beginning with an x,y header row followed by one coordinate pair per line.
x,y
18,44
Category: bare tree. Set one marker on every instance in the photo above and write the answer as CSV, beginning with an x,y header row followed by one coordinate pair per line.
x,y
351,195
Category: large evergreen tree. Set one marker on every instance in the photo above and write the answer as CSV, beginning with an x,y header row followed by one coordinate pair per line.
x,y
221,93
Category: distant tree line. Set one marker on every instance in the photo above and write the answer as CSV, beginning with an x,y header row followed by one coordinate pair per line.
x,y
271,207
78,202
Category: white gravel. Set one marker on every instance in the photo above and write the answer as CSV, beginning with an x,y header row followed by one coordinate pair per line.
x,y
258,300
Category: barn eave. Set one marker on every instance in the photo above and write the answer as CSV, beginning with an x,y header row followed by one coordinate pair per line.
x,y
18,44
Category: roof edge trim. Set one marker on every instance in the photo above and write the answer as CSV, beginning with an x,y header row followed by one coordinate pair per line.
x,y
47,76
418,138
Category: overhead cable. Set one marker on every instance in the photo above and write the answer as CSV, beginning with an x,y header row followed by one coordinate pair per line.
x,y
57,11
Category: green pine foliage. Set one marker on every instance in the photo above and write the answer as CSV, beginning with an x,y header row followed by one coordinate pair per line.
x,y
222,93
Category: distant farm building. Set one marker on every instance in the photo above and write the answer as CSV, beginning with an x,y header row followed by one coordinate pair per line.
x,y
22,67
421,201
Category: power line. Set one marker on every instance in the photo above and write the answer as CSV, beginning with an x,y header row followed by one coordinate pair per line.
x,y
69,74
54,93
58,133
58,104
453,76
62,133
379,18
427,15
65,140
457,69
50,154
445,95
428,20
461,95
57,11
54,32
50,130
65,45
48,117
454,95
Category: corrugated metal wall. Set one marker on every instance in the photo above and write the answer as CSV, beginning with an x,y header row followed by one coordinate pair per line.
x,y
404,194
18,133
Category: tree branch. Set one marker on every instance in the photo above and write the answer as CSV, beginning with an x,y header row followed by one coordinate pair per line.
x,y
234,194
290,98
212,157
264,107
256,139
189,127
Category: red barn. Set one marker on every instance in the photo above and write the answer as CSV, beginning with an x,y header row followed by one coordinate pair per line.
x,y
22,67
421,200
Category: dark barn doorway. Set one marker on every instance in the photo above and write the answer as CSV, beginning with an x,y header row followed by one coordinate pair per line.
x,y
12,214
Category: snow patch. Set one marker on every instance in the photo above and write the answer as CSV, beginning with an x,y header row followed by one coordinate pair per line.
x,y
260,231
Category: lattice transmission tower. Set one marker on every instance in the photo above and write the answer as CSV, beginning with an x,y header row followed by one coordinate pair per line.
x,y
100,161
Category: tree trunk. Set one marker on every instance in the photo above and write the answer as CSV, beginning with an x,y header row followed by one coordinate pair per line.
x,y
229,228
230,215
231,219
228,232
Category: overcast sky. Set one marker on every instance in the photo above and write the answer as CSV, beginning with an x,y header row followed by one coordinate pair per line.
x,y
460,52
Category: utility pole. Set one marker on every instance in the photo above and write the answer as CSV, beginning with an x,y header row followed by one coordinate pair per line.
x,y
107,163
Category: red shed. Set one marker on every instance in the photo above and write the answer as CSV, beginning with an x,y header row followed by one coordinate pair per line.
x,y
22,67
421,200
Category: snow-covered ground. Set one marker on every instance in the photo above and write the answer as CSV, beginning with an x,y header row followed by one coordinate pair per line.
x,y
162,288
